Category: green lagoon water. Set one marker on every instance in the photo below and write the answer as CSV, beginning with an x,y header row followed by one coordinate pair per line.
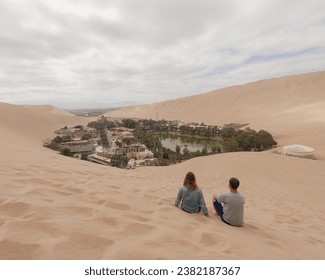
x,y
191,143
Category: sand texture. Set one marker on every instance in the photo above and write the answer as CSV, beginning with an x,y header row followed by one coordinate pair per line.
x,y
55,207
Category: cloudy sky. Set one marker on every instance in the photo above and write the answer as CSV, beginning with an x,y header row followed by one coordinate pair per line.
x,y
105,53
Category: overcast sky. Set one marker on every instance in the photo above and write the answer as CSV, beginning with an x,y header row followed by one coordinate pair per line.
x,y
105,53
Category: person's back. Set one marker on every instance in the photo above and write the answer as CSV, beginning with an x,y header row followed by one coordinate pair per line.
x,y
190,196
192,200
230,206
233,208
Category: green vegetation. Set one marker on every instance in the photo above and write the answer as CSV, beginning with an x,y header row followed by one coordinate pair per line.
x,y
119,161
102,123
84,156
247,140
103,138
66,152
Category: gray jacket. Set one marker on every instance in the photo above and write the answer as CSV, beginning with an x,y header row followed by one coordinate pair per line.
x,y
192,200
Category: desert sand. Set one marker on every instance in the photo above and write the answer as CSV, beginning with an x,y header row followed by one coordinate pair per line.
x,y
55,207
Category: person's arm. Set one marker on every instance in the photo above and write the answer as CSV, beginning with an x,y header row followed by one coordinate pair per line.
x,y
221,198
203,205
179,197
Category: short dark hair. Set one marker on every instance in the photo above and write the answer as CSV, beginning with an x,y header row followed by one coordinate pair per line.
x,y
234,183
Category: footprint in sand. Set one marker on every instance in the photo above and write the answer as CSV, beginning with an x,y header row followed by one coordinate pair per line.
x,y
80,211
11,250
108,221
138,228
187,244
137,217
62,193
101,202
313,240
15,209
118,206
74,190
213,240
33,231
273,243
82,246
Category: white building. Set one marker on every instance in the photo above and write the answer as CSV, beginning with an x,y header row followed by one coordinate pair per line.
x,y
99,159
298,151
82,146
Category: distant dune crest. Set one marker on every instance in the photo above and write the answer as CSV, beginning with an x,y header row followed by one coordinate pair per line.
x,y
264,104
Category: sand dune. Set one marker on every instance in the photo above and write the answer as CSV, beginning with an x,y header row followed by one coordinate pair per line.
x,y
54,207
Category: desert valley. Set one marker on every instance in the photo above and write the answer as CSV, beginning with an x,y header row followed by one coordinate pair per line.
x,y
55,207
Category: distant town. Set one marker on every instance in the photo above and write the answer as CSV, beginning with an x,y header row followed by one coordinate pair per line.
x,y
132,143
91,112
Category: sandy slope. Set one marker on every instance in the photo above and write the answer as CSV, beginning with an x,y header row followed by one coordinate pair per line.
x,y
53,207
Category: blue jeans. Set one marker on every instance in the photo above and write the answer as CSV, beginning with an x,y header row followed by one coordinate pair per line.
x,y
189,211
219,208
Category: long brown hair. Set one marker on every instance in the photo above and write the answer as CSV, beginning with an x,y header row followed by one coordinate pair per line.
x,y
190,181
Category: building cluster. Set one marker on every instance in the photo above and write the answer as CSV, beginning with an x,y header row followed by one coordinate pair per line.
x,y
90,112
121,142
81,140
78,139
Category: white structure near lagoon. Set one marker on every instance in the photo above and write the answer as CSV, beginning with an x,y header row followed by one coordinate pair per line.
x,y
298,151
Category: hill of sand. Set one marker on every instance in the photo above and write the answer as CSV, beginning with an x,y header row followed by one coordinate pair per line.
x,y
55,207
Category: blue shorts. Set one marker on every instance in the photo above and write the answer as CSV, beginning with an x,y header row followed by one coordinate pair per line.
x,y
219,208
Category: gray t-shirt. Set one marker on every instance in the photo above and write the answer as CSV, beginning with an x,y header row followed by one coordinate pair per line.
x,y
233,208
192,200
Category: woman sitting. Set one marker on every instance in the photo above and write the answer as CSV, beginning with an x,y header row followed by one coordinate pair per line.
x,y
190,196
